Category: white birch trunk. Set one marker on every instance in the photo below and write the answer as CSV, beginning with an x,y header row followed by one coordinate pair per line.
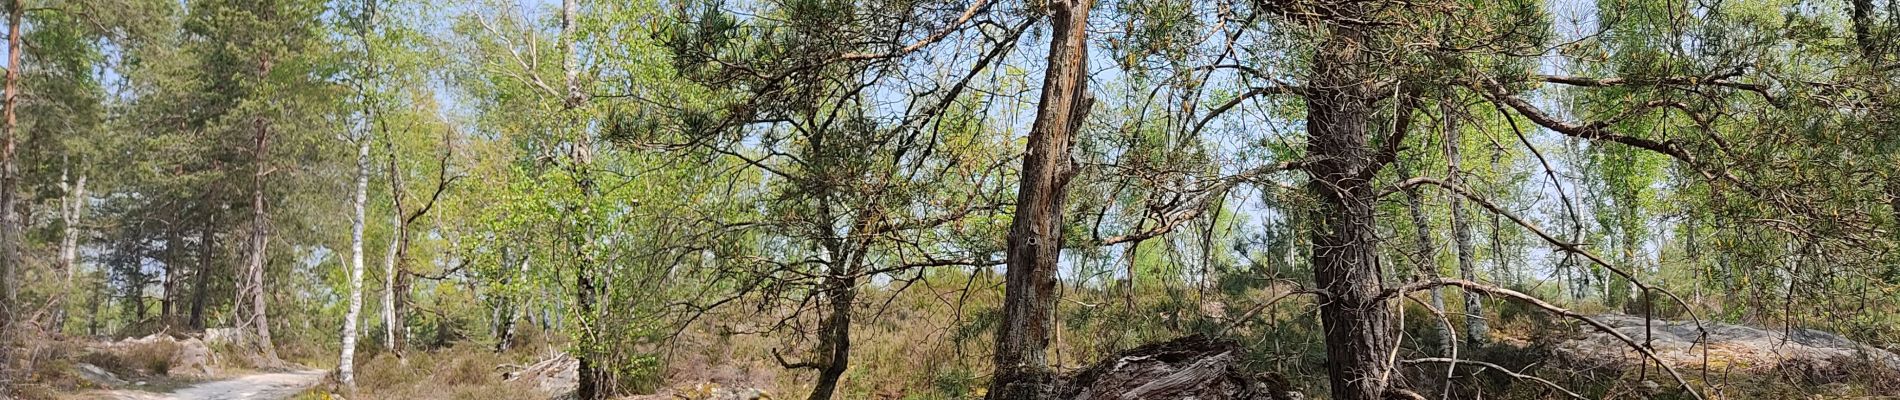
x,y
1476,329
72,205
346,362
75,207
389,278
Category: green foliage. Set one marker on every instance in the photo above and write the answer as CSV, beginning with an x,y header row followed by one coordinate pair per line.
x,y
731,166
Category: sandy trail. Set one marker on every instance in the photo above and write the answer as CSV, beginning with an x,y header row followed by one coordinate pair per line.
x,y
275,386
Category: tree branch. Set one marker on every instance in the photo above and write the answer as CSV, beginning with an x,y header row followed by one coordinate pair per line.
x,y
1547,306
1500,369
975,8
1174,218
1718,79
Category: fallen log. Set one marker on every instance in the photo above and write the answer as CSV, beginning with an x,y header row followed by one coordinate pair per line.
x,y
1193,367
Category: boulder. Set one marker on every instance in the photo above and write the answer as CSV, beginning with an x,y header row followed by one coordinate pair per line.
x,y
189,357
193,359
98,376
1683,344
223,335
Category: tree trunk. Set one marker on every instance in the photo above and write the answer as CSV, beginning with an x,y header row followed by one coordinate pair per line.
x,y
174,242
345,367
201,288
132,259
1358,326
392,326
72,207
507,305
1499,260
835,333
98,300
1475,327
592,378
1427,263
1035,234
9,177
260,232
1862,14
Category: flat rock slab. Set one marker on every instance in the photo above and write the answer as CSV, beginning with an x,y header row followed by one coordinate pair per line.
x,y
1684,344
275,386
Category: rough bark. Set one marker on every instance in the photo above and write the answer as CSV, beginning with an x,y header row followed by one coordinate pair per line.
x,y
1475,327
1035,234
201,286
1358,325
174,264
1193,367
260,230
346,362
131,261
92,307
1862,15
835,333
9,176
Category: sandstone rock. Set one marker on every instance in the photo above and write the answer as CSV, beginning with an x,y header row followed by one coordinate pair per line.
x,y
222,335
1682,344
189,357
192,359
98,376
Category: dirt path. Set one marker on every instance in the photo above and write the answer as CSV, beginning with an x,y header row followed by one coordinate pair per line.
x,y
276,386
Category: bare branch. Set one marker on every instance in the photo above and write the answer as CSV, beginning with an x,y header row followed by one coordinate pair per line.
x,y
1547,306
1719,79
1500,369
1198,205
1276,89
975,8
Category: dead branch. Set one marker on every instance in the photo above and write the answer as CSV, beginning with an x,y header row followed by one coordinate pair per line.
x,y
1547,306
1501,370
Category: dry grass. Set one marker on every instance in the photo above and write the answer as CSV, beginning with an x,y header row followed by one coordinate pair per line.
x,y
152,358
460,372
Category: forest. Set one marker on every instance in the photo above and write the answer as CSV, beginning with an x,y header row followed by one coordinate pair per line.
x,y
950,199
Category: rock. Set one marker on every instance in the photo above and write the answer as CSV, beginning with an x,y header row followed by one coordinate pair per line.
x,y
98,376
714,391
740,394
222,335
192,359
1193,367
558,375
189,357
1682,345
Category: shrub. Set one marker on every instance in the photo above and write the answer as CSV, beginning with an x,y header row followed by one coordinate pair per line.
x,y
106,360
466,371
153,358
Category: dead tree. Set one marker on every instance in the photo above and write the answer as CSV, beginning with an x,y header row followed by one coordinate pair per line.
x,y
1035,233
